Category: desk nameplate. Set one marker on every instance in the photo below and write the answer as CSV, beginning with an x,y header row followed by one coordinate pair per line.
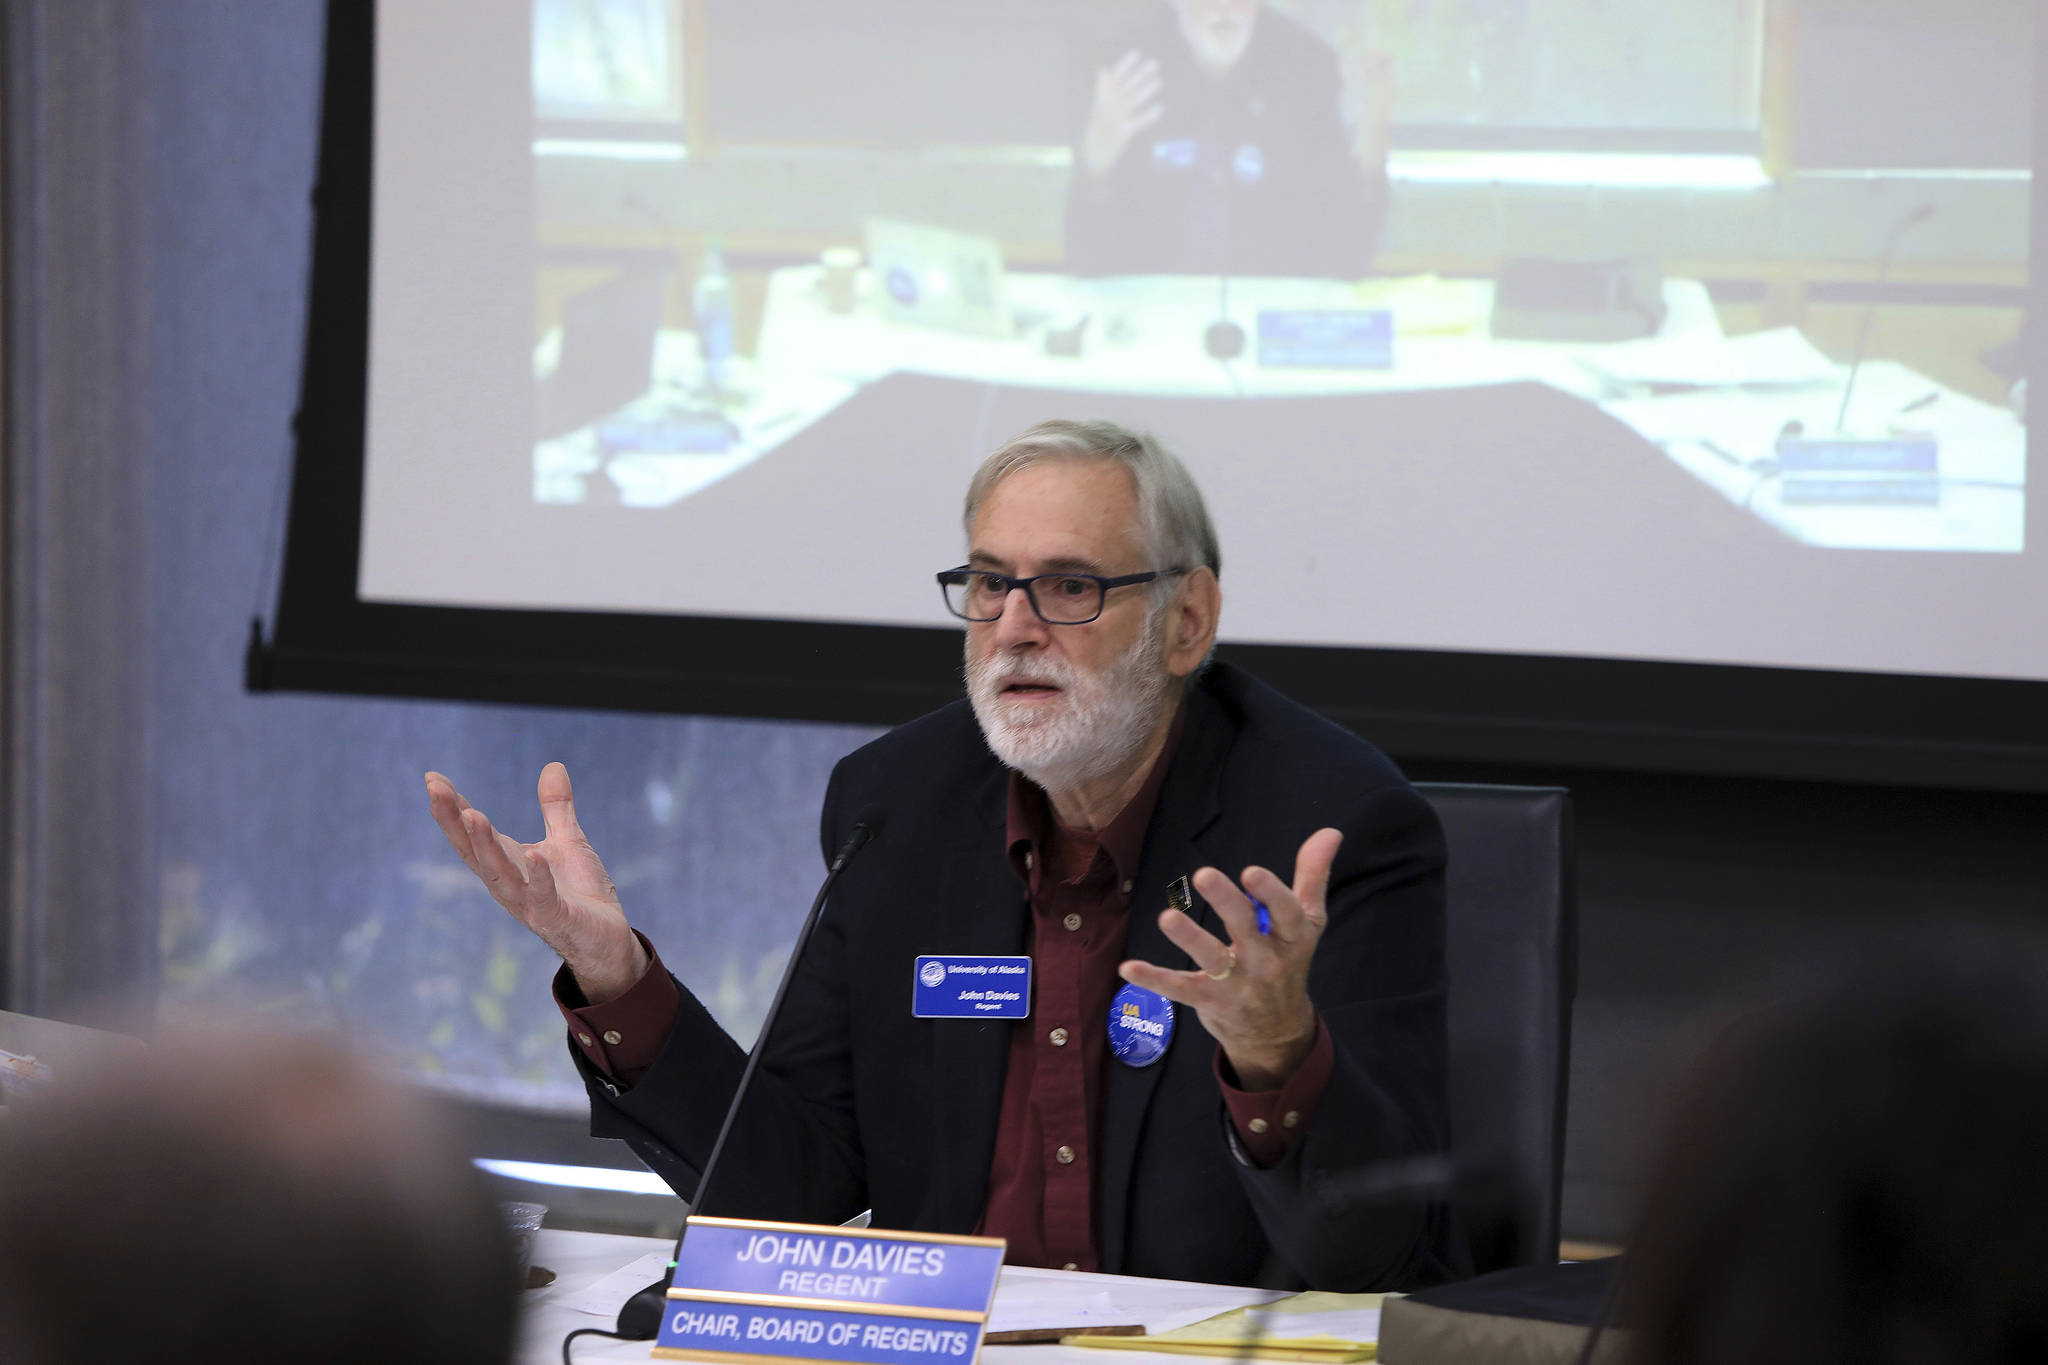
x,y
748,1292
785,1301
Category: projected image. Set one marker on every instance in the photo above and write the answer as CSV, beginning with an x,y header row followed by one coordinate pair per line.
x,y
614,60
1537,271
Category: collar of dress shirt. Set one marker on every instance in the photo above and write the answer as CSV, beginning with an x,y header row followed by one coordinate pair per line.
x,y
1029,823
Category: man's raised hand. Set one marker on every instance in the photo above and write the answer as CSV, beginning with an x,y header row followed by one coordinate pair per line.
x,y
1251,991
558,887
1126,104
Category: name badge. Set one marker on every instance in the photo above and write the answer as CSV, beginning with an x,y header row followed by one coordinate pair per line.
x,y
971,988
1140,1025
744,1290
1327,338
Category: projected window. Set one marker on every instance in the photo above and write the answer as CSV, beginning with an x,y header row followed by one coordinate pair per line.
x,y
1475,73
608,61
1563,73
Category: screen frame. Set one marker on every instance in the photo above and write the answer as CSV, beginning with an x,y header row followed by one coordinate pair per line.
x,y
1419,705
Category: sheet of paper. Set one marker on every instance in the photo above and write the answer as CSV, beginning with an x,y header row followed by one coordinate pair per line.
x,y
1299,1319
1036,1312
1345,1322
1778,357
603,1298
1428,305
1309,1327
1027,1297
1330,1352
1743,422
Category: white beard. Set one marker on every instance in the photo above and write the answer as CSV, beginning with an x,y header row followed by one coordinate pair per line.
x,y
1100,720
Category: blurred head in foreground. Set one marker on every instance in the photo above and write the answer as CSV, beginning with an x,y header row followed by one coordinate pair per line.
x,y
245,1201
1858,1177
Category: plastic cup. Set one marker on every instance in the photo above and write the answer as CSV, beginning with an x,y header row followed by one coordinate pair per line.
x,y
842,272
522,1221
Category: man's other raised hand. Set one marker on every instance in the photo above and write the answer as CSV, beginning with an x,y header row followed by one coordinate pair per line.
x,y
558,887
1126,103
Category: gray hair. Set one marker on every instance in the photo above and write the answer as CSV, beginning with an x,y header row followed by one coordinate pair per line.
x,y
1173,523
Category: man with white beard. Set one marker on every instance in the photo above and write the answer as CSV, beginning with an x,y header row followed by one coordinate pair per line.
x,y
1202,1074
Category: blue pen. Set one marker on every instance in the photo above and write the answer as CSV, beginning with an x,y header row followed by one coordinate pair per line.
x,y
1265,918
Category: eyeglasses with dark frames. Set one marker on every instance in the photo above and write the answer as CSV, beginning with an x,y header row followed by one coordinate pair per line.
x,y
1060,599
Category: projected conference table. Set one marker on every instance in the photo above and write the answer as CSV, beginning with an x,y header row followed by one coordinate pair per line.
x,y
1710,405
584,1263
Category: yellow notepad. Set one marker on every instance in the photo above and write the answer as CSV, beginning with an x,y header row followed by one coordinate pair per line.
x,y
1427,305
1336,1328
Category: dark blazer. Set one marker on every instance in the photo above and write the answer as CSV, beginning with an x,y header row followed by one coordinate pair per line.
x,y
860,1105
1251,173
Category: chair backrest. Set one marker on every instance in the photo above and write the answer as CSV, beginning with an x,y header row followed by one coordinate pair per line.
x,y
1512,964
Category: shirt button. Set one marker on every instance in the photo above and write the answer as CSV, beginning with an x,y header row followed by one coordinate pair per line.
x,y
1058,1036
1072,921
1065,1156
1290,1118
1070,1266
612,1037
1258,1125
584,1039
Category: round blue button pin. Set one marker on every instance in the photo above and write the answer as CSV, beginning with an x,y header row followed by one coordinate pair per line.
x,y
1140,1025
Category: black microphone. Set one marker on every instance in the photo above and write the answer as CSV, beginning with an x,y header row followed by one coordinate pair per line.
x,y
1224,340
640,1318
1919,213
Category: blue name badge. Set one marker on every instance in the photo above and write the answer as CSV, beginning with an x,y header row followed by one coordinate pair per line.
x,y
1175,154
971,988
1327,338
787,1291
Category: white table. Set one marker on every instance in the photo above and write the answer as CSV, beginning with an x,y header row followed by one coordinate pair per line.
x,y
580,1259
1727,440
63,1052
1144,336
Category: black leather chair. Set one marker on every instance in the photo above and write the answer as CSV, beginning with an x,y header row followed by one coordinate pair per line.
x,y
1512,966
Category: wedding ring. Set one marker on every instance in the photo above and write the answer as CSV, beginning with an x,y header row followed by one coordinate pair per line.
x,y
1224,975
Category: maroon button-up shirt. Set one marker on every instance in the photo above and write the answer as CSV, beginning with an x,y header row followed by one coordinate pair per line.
x,y
1042,1190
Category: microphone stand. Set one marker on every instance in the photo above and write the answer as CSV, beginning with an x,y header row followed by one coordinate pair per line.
x,y
1224,339
640,1318
1919,214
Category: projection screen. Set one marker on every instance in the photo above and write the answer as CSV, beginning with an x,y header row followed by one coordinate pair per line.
x,y
1629,336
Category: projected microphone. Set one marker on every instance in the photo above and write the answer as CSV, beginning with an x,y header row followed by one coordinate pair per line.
x,y
640,1319
1224,339
1919,213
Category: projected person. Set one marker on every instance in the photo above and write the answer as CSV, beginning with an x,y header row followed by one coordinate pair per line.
x,y
1216,143
1109,803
